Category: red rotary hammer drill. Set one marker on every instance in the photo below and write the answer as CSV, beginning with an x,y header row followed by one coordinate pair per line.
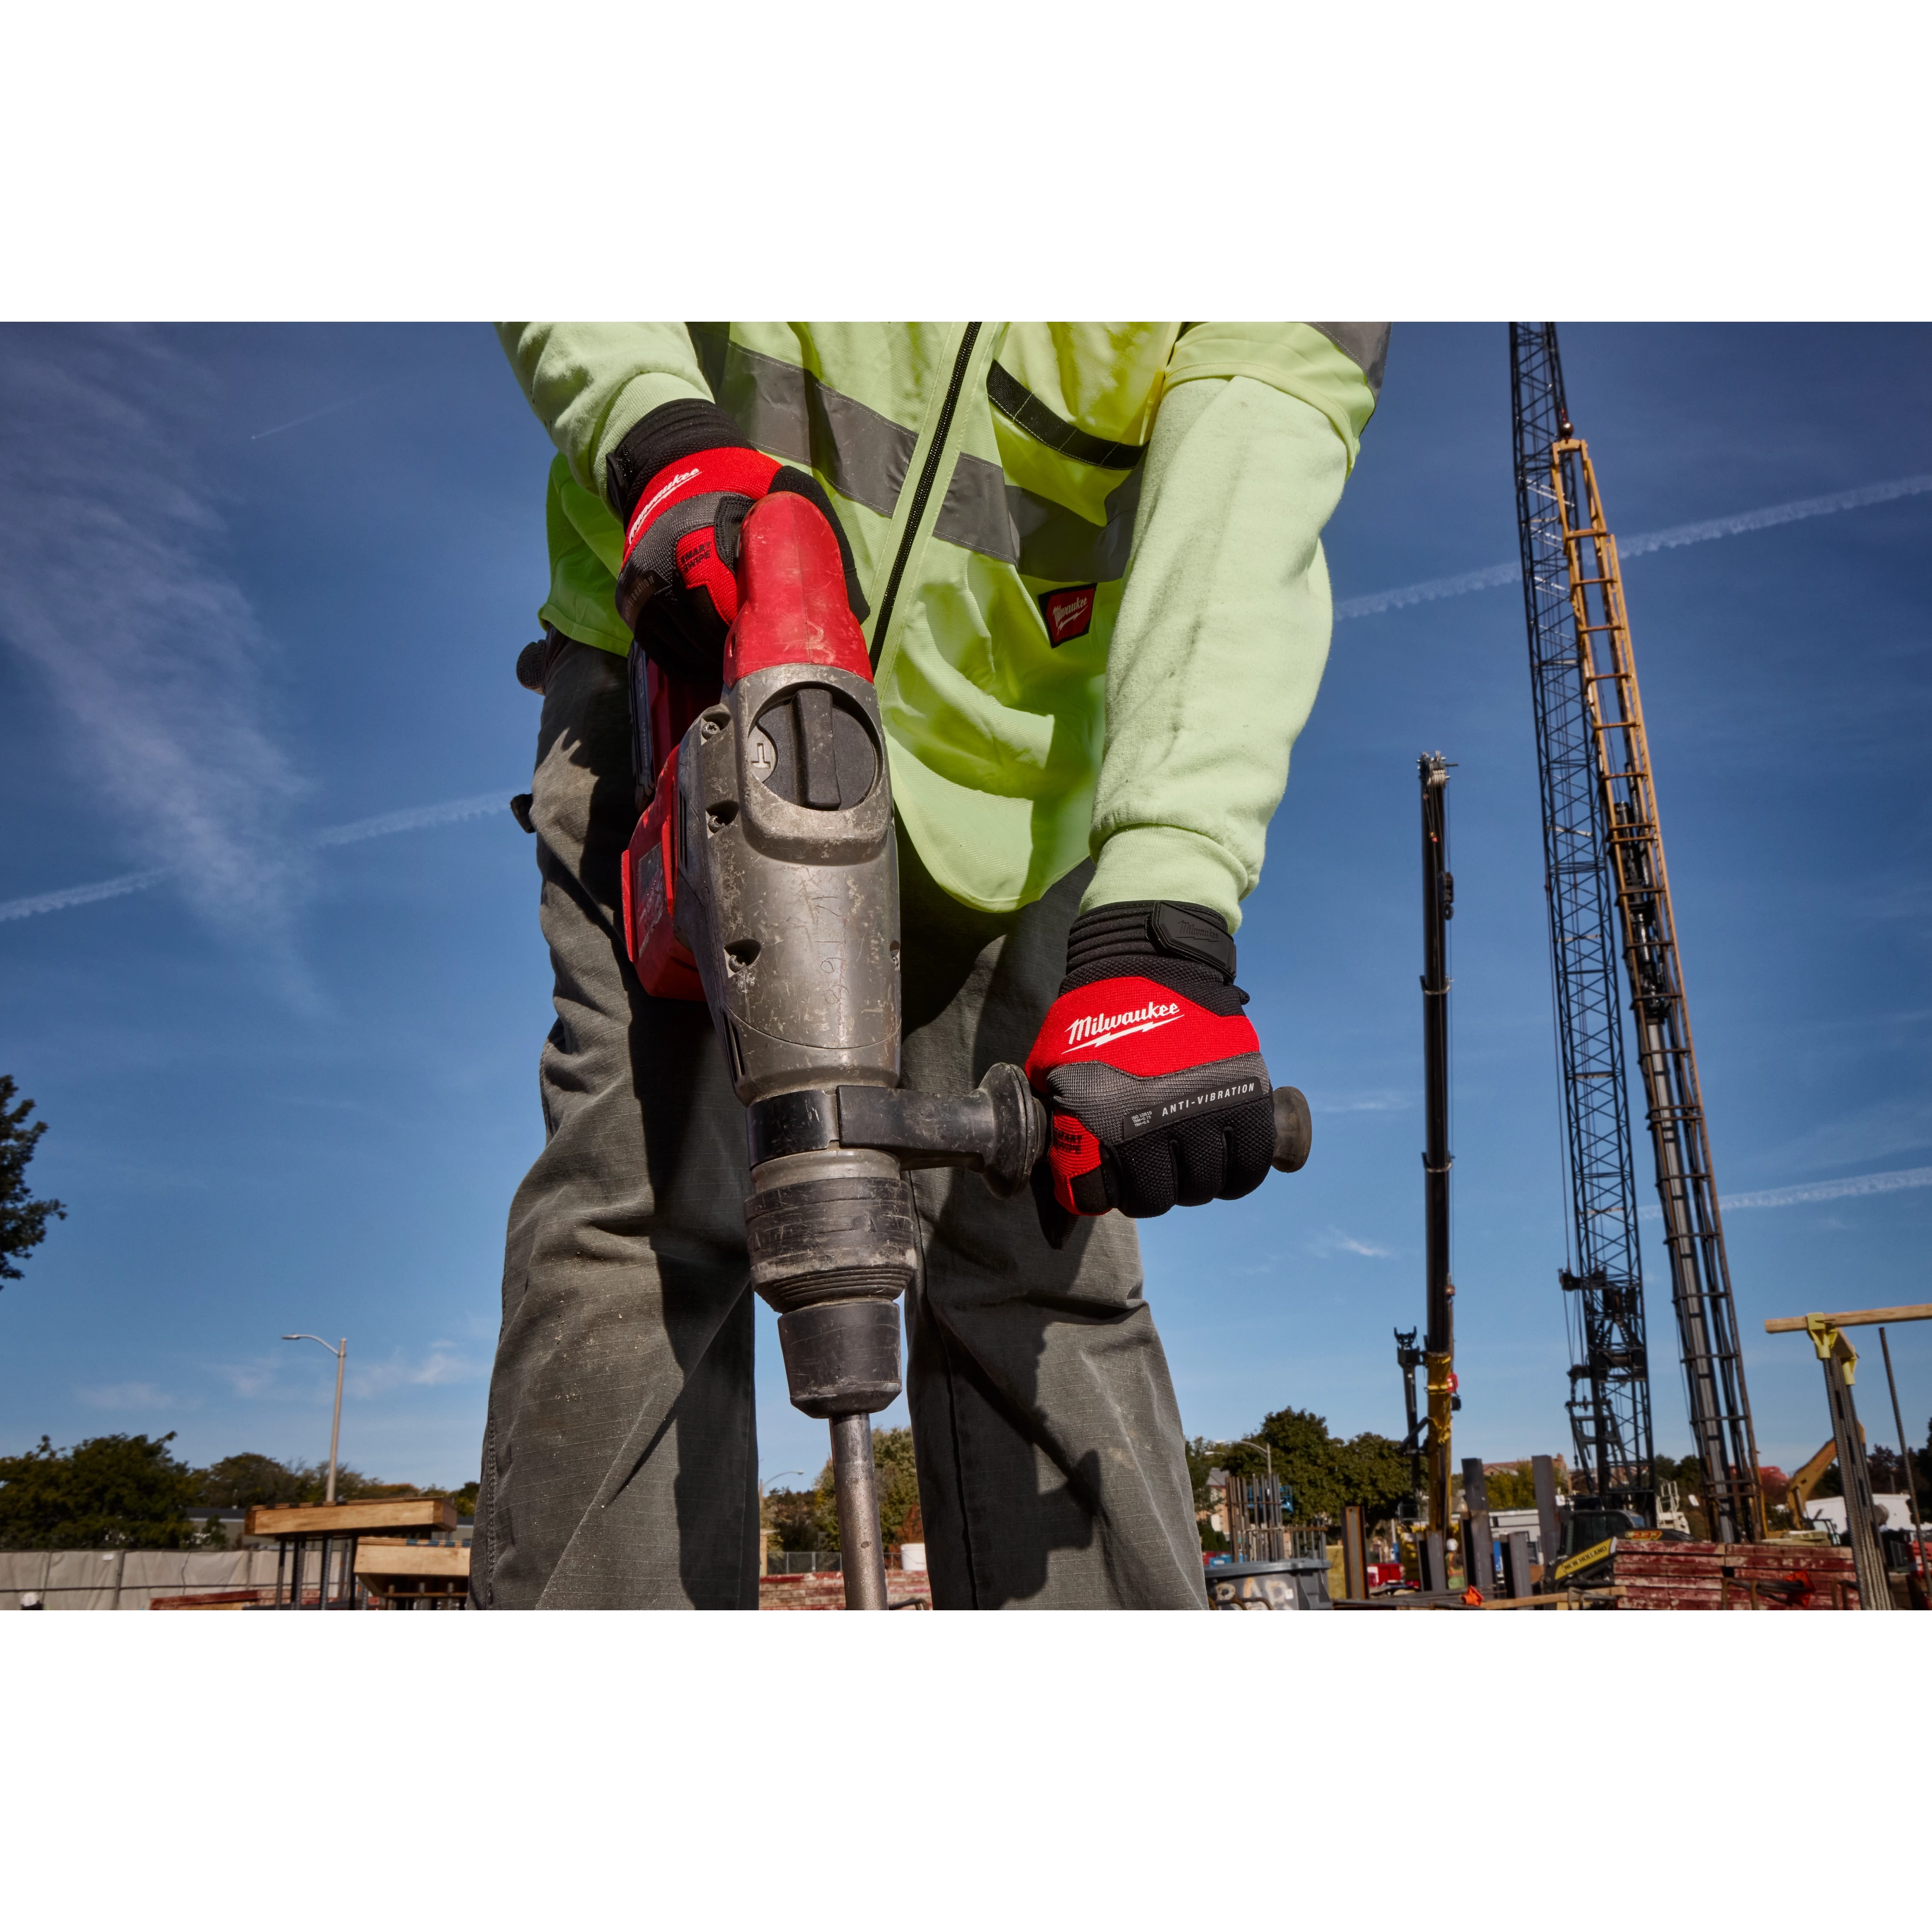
x,y
762,878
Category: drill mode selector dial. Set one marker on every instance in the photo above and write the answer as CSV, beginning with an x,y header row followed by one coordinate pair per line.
x,y
813,747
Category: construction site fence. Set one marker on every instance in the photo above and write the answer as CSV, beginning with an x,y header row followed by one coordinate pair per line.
x,y
800,1562
131,1580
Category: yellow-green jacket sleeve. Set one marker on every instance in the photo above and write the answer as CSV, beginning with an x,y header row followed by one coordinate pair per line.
x,y
590,382
1223,635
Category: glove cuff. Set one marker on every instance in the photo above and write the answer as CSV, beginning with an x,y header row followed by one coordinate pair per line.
x,y
667,434
1186,948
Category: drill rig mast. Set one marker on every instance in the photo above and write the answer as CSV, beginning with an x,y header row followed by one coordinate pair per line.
x,y
1429,1457
1605,849
1439,889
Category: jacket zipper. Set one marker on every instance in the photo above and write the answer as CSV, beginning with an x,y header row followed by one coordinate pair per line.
x,y
926,478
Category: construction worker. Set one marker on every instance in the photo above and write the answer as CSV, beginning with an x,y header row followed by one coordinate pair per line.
x,y
1087,558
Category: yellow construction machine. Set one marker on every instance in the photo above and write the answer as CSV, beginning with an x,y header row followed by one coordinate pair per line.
x,y
1798,1491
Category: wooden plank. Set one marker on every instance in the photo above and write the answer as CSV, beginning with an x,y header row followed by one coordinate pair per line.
x,y
352,1518
421,1559
1857,1317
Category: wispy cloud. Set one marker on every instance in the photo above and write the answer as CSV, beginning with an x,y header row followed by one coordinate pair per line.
x,y
443,1362
115,592
1494,576
256,1376
416,818
131,1396
1862,1136
1816,1190
1335,1242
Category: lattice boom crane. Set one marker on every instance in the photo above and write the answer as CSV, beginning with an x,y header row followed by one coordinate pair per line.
x,y
1603,849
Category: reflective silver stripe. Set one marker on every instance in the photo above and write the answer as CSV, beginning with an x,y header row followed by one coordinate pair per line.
x,y
789,412
975,514
1059,546
866,456
983,512
1018,404
1365,343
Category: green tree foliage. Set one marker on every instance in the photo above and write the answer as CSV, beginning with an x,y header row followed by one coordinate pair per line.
x,y
241,1482
900,1520
117,1492
1325,1474
791,1516
1512,1488
109,1492
23,1220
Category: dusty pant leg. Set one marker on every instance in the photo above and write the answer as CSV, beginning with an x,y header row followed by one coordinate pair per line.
x,y
620,1463
1052,1470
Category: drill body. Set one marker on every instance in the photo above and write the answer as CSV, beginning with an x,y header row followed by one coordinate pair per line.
x,y
763,875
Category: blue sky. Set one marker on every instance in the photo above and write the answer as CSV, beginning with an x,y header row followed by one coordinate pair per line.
x,y
257,584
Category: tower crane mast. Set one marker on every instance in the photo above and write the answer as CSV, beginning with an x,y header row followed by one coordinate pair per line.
x,y
1603,858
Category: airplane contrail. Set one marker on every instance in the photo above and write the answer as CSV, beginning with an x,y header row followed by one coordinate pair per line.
x,y
1676,537
1816,1190
329,409
415,818
80,896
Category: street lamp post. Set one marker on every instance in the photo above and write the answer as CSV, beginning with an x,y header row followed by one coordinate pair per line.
x,y
341,1355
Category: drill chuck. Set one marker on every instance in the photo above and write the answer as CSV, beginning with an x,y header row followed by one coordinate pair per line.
x,y
841,1357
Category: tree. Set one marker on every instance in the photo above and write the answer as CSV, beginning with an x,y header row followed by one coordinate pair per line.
x,y
23,1220
109,1493
794,1517
900,1520
242,1481
1513,1486
1325,1474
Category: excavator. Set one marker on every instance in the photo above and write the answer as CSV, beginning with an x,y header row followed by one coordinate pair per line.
x,y
1797,1492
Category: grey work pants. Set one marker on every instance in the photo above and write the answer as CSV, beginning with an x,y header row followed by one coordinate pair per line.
x,y
620,1460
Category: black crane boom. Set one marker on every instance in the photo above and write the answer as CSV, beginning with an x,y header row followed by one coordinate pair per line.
x,y
1438,889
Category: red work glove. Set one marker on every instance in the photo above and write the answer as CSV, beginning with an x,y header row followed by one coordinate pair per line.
x,y
682,480
1151,1071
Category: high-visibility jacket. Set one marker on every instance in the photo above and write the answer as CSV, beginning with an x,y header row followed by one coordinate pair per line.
x,y
1100,608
